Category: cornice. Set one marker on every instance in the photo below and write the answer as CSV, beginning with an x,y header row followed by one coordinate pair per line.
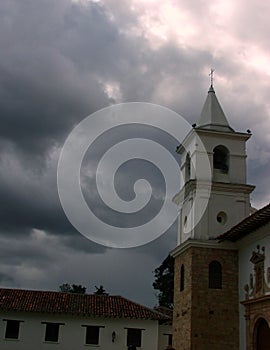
x,y
197,185
232,187
232,135
211,133
256,300
201,244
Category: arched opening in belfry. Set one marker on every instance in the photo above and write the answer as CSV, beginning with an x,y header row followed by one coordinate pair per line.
x,y
221,159
187,168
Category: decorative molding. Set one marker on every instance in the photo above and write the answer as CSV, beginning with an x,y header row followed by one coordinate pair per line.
x,y
257,286
228,135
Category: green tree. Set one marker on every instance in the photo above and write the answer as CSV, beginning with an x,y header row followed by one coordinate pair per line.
x,y
100,291
79,289
164,282
75,288
65,288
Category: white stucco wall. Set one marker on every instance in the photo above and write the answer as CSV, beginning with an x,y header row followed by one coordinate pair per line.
x,y
72,334
163,337
246,247
229,193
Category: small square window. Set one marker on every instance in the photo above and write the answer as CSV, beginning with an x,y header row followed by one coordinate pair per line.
x,y
170,339
134,337
12,329
92,335
52,332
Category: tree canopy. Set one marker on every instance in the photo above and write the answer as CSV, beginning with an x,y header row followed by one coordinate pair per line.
x,y
100,291
164,282
74,288
79,289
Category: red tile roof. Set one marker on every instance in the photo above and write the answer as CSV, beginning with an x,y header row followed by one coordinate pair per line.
x,y
74,304
165,311
251,223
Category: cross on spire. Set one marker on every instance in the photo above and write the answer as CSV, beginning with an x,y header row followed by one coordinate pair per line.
x,y
211,74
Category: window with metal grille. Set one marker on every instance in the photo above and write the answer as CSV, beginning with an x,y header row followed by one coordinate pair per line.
x,y
134,337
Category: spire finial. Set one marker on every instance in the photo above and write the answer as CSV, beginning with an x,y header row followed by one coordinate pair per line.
x,y
211,74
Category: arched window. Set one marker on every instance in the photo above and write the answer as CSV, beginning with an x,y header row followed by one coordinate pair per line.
x,y
182,278
221,159
187,168
215,275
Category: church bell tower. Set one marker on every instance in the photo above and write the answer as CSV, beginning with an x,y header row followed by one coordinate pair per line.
x,y
214,198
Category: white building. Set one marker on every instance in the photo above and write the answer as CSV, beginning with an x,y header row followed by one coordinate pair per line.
x,y
55,320
252,239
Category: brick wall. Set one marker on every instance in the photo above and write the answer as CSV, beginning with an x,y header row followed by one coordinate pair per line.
x,y
206,318
182,303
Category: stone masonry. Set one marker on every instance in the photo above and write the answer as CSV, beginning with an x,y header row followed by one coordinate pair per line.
x,y
206,318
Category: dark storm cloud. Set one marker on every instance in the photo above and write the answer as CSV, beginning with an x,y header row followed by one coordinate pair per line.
x,y
30,201
127,174
43,91
45,88
57,59
5,278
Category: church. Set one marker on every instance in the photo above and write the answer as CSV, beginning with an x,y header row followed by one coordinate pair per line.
x,y
222,257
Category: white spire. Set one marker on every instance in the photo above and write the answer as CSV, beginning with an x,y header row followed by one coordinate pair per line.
x,y
212,116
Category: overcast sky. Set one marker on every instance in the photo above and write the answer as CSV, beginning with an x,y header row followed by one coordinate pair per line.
x,y
63,60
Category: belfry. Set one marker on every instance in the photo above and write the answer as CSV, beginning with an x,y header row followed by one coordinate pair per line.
x,y
214,198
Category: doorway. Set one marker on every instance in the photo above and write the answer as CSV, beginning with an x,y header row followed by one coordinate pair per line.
x,y
263,335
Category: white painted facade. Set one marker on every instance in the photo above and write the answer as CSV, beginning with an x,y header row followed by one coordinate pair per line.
x,y
246,246
209,191
72,333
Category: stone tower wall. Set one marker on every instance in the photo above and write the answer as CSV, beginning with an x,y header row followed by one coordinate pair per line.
x,y
206,318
